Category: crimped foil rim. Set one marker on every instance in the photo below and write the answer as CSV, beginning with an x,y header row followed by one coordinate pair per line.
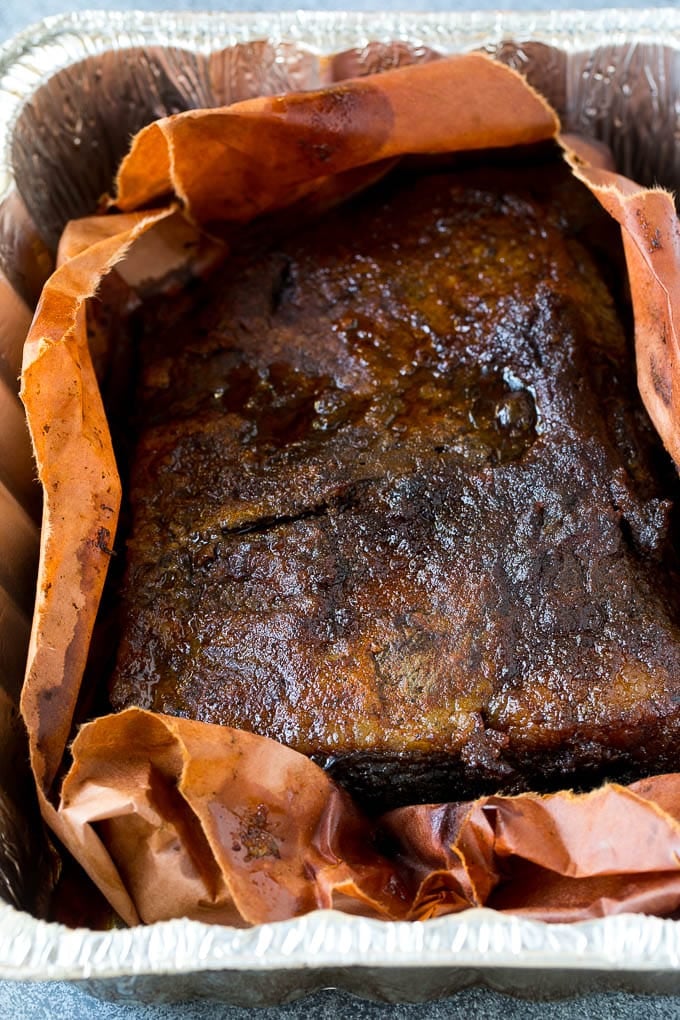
x,y
478,938
481,939
31,57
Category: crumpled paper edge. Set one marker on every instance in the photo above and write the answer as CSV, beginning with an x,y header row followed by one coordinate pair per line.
x,y
76,279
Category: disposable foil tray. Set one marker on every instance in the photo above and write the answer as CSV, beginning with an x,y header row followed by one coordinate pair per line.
x,y
72,91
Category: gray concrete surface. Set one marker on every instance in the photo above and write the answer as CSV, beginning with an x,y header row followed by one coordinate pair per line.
x,y
41,1002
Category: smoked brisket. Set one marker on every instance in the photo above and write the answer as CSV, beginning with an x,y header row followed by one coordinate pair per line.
x,y
395,501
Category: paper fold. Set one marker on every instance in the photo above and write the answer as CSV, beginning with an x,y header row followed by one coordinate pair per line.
x,y
171,817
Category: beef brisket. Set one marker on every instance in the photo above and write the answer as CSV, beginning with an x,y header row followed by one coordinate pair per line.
x,y
396,503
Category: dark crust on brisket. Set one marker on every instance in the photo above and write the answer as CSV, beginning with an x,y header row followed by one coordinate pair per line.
x,y
395,502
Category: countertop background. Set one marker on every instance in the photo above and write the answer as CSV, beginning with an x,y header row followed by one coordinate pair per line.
x,y
23,1001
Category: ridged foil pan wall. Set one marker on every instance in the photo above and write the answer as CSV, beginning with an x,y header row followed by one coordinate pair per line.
x,y
72,91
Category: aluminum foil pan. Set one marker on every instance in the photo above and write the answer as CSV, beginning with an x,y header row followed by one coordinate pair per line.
x,y
72,91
